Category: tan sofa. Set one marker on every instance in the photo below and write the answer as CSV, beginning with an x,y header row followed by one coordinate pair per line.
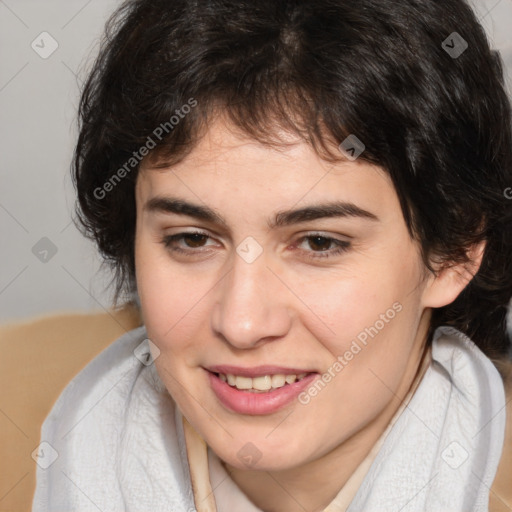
x,y
38,359
41,356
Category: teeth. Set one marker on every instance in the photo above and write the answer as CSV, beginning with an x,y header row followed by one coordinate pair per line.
x,y
278,381
262,383
243,382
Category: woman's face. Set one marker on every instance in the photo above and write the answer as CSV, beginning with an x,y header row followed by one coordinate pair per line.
x,y
303,279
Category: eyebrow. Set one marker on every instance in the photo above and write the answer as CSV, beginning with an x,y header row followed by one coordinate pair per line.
x,y
177,206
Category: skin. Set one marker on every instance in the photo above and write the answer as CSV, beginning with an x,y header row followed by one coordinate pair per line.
x,y
286,308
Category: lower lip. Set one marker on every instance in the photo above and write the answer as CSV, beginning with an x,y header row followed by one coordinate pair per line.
x,y
245,402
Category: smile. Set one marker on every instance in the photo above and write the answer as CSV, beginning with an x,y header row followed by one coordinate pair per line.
x,y
257,391
260,384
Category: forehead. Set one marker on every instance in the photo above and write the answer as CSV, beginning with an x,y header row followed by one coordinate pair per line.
x,y
232,171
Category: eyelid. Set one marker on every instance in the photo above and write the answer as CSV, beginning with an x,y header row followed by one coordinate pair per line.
x,y
300,236
341,245
325,234
182,234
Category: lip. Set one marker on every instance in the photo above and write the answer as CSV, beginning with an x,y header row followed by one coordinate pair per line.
x,y
257,371
254,404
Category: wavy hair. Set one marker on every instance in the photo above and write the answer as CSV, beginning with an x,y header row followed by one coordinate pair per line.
x,y
431,112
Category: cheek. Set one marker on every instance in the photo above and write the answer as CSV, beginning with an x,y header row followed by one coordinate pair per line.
x,y
159,292
369,319
172,300
341,306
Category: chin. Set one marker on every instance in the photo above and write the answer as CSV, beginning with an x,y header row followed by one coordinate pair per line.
x,y
275,462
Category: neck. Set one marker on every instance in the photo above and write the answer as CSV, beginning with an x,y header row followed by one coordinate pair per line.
x,y
311,486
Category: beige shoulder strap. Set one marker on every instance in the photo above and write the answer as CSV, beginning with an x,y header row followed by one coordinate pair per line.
x,y
199,474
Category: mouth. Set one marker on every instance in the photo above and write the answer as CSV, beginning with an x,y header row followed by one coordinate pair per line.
x,y
261,384
257,391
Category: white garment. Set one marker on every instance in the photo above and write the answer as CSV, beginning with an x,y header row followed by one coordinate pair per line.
x,y
121,448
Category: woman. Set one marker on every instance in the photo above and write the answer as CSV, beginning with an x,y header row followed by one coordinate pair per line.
x,y
307,201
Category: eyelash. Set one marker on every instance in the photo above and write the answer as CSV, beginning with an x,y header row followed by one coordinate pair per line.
x,y
342,246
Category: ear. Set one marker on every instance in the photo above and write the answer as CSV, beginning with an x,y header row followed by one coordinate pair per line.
x,y
446,285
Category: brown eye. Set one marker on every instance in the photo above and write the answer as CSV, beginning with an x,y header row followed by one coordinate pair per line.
x,y
320,243
194,239
190,241
321,246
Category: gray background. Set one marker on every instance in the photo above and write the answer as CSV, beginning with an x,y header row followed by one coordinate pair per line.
x,y
38,101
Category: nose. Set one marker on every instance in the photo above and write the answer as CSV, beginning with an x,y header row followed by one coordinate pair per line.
x,y
251,306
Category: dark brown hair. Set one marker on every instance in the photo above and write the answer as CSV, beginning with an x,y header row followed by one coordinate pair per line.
x,y
431,112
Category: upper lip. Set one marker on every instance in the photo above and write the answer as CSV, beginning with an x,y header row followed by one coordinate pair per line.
x,y
256,371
